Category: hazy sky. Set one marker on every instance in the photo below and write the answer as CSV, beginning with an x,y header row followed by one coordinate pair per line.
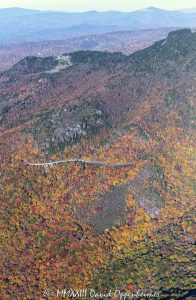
x,y
83,5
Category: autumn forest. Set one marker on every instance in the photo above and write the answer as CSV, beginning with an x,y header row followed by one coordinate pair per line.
x,y
97,184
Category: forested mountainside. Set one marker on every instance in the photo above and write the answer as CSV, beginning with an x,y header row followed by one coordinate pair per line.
x,y
121,215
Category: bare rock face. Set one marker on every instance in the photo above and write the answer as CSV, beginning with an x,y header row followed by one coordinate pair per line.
x,y
67,126
63,62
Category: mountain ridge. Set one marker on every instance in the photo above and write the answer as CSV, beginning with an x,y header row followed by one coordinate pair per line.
x,y
82,67
123,41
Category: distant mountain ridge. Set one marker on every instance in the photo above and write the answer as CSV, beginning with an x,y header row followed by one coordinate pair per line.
x,y
23,25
